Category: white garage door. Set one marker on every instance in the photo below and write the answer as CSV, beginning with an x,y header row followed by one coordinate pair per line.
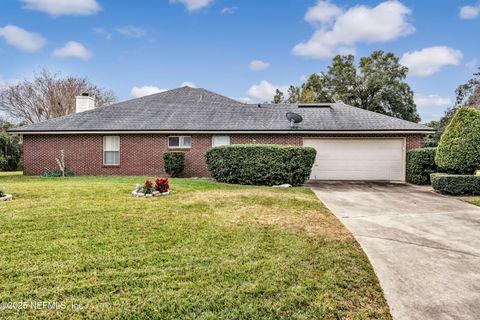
x,y
358,159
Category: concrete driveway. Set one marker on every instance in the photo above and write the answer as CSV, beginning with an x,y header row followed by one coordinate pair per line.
x,y
424,247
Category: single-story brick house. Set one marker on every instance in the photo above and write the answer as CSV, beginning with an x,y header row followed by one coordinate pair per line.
x,y
129,138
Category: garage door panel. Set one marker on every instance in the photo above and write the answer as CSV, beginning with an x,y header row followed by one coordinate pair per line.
x,y
358,159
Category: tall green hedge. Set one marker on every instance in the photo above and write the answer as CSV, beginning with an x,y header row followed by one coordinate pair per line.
x,y
420,164
459,147
174,163
10,152
456,184
261,164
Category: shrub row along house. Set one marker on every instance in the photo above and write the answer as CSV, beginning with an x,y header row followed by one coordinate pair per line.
x,y
129,138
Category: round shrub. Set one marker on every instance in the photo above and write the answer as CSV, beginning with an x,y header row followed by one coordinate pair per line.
x,y
174,163
456,184
459,147
420,164
261,164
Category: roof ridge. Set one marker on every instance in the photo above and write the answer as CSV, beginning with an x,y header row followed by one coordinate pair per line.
x,y
191,89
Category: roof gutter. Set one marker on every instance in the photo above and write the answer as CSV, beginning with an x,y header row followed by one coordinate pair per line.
x,y
423,131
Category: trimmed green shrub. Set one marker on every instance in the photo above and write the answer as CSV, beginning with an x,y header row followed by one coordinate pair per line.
x,y
459,147
174,163
261,164
455,184
420,164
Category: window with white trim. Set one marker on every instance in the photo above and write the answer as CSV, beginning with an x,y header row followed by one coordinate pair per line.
x,y
220,141
111,150
180,142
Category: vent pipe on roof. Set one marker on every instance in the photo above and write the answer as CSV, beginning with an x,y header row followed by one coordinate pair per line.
x,y
84,102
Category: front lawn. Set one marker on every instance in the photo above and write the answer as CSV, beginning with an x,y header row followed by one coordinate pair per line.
x,y
208,251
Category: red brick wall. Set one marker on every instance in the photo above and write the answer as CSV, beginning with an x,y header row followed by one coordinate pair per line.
x,y
414,142
141,155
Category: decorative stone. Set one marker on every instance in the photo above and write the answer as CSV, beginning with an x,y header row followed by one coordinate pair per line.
x,y
6,197
285,185
137,194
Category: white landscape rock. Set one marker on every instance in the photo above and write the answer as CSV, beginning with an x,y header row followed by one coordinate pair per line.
x,y
154,194
137,194
6,197
285,185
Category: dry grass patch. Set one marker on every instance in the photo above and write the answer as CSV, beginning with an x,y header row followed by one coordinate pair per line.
x,y
286,210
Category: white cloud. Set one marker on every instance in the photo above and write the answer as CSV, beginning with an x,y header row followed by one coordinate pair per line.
x,y
428,61
322,12
188,84
193,5
256,65
73,49
138,92
229,10
472,65
5,83
340,31
264,91
63,7
131,31
432,100
469,12
22,39
243,99
103,32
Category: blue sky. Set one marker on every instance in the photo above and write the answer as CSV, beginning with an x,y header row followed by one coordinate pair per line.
x,y
242,49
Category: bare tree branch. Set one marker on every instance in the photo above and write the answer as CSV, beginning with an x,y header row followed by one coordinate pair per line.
x,y
48,95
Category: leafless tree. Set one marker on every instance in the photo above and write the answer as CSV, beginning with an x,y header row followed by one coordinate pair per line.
x,y
47,96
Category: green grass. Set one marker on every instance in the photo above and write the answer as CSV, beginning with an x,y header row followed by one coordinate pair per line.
x,y
208,251
472,200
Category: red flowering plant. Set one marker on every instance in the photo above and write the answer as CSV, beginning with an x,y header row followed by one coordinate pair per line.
x,y
161,185
148,187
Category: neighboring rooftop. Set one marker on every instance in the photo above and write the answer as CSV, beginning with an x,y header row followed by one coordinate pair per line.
x,y
190,109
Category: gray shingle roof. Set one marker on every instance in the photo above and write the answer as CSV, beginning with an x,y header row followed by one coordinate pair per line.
x,y
189,109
